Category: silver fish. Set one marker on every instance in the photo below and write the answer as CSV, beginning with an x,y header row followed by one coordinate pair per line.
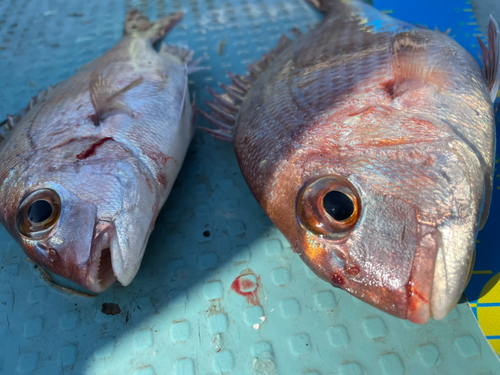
x,y
86,168
370,144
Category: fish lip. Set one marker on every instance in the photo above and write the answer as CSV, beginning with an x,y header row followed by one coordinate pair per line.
x,y
100,275
421,282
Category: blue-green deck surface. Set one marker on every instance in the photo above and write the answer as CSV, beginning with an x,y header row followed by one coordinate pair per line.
x,y
180,316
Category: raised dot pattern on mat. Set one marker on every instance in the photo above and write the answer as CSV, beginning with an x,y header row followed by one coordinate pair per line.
x,y
182,314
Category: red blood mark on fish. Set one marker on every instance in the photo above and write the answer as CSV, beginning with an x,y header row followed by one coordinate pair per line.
x,y
149,184
337,279
354,270
247,285
414,293
93,148
389,88
420,296
371,109
161,161
159,157
162,179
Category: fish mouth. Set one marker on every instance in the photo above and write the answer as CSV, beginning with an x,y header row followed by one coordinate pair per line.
x,y
432,290
420,287
100,275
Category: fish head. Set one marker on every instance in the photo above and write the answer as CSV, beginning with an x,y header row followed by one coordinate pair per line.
x,y
88,223
61,232
394,226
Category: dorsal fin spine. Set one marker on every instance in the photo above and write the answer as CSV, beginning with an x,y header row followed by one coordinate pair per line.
x,y
490,58
226,107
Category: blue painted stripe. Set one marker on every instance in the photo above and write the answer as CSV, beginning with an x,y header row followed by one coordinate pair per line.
x,y
492,304
497,337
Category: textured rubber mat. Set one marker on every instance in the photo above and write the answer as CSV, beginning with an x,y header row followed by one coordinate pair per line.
x,y
219,290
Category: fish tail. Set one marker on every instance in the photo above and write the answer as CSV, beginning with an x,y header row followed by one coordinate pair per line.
x,y
139,26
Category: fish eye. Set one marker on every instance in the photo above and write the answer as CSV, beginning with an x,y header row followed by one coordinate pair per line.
x,y
338,205
329,206
38,213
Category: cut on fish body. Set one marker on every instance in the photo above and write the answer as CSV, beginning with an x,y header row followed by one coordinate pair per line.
x,y
370,142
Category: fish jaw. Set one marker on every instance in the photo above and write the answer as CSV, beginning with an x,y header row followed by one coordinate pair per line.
x,y
405,297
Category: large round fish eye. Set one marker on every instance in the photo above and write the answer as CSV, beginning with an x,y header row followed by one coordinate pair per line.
x,y
329,206
38,213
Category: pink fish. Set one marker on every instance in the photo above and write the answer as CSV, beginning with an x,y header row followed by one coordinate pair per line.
x,y
370,144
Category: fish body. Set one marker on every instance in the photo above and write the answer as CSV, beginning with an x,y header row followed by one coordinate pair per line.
x,y
370,144
86,169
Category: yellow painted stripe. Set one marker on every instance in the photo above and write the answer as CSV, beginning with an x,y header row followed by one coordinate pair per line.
x,y
387,11
471,23
482,272
473,304
467,10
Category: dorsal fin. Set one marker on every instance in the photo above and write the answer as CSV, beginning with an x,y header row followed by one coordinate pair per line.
x,y
10,122
226,107
490,58
105,98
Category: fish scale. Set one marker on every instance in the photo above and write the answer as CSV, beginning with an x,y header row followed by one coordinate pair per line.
x,y
166,325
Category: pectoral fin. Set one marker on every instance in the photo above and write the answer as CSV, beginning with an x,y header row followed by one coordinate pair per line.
x,y
106,99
